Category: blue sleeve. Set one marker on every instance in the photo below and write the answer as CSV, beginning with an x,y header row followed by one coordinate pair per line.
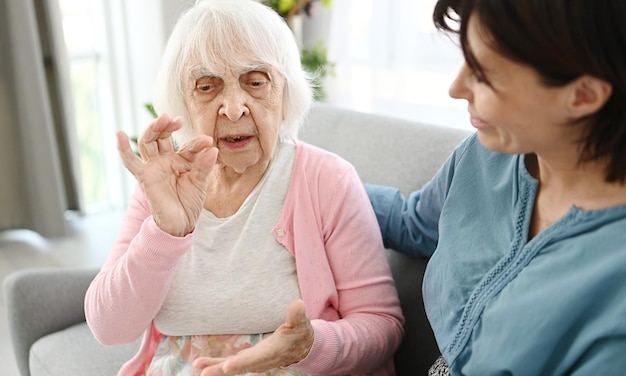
x,y
401,227
605,357
411,225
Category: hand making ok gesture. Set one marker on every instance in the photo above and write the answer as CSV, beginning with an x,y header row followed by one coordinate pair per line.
x,y
174,181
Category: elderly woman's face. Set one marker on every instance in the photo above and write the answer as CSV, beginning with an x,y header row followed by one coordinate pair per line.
x,y
241,110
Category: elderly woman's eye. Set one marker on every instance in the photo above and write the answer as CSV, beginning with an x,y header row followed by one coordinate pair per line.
x,y
255,79
204,87
207,84
258,83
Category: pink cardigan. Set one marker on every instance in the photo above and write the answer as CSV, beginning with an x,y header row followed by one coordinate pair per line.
x,y
328,225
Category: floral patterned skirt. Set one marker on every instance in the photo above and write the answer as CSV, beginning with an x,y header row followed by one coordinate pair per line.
x,y
174,355
439,368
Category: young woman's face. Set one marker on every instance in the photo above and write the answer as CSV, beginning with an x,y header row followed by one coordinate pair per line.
x,y
241,110
513,111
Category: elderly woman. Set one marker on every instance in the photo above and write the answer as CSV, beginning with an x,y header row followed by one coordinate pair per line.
x,y
243,249
525,224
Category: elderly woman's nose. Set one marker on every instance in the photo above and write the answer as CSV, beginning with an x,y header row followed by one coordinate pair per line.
x,y
234,104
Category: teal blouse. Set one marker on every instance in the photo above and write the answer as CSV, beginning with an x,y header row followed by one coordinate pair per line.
x,y
498,303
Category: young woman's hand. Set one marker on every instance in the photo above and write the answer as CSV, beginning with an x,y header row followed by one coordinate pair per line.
x,y
289,344
174,182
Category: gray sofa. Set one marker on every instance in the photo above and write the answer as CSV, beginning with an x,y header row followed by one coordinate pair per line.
x,y
45,306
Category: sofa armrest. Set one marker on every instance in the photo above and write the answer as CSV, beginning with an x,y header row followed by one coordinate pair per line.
x,y
41,301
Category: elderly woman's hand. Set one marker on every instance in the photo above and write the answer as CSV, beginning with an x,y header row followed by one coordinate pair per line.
x,y
174,182
289,344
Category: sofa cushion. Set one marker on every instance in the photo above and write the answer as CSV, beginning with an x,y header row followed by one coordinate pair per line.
x,y
418,350
74,351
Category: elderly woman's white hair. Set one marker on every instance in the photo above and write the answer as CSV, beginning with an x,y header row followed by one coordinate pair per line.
x,y
234,33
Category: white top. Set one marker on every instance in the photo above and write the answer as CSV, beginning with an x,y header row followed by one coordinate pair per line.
x,y
236,278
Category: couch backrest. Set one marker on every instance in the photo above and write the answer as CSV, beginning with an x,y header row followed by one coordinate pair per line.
x,y
384,150
405,155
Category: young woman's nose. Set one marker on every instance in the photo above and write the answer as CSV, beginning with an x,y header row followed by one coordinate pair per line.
x,y
234,104
459,88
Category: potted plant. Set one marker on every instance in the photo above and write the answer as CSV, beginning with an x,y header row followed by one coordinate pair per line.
x,y
314,58
290,8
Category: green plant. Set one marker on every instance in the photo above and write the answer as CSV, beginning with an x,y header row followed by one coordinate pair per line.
x,y
151,110
289,8
315,61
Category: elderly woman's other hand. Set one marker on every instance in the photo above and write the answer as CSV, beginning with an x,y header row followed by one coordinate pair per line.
x,y
174,181
289,344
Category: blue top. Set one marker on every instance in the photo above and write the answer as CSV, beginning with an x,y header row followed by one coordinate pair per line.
x,y
498,303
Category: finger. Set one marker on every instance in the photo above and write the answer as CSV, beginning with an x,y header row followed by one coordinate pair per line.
x,y
206,366
297,331
191,148
296,314
213,371
129,158
267,354
146,144
157,137
245,361
163,127
202,166
205,361
201,154
165,142
155,129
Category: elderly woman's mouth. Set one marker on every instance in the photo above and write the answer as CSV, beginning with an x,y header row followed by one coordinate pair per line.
x,y
235,138
236,141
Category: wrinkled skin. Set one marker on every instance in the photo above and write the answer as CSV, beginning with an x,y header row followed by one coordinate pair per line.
x,y
236,118
289,344
175,182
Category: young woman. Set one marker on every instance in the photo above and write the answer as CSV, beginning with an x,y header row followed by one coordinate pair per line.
x,y
525,224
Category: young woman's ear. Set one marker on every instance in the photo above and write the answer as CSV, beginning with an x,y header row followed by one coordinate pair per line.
x,y
588,95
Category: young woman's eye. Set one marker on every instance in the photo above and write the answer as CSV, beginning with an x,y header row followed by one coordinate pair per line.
x,y
478,77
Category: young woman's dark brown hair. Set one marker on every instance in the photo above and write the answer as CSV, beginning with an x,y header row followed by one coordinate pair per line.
x,y
562,40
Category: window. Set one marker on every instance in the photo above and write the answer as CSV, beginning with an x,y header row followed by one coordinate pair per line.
x,y
84,31
114,48
390,59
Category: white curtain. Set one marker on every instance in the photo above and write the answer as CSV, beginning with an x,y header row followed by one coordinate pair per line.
x,y
37,166
390,59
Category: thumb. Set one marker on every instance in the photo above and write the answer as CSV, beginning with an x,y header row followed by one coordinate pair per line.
x,y
296,314
129,158
204,163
